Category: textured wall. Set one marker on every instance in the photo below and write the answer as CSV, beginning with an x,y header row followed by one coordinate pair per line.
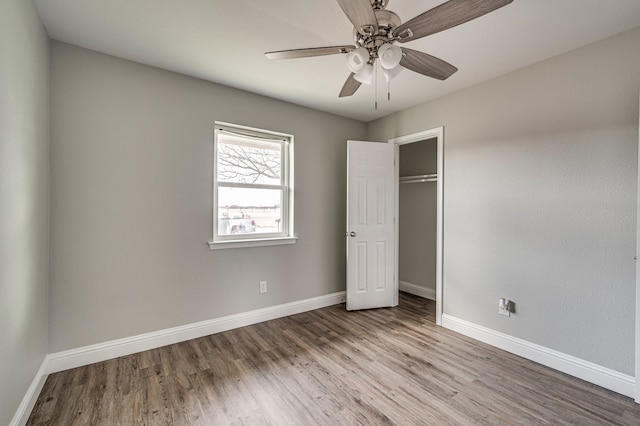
x,y
540,199
132,201
24,198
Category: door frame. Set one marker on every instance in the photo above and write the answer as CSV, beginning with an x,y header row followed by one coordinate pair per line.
x,y
638,274
438,134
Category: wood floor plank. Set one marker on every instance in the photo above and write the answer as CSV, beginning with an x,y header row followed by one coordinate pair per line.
x,y
329,367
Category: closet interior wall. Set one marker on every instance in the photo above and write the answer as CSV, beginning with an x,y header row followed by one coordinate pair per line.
x,y
417,221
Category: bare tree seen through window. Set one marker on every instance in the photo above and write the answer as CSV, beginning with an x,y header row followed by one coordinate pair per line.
x,y
258,163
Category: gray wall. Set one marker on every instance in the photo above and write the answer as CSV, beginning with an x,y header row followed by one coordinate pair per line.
x,y
540,199
24,200
418,215
132,201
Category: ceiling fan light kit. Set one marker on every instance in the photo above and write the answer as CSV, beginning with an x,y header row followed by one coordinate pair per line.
x,y
389,55
376,30
392,73
357,59
365,75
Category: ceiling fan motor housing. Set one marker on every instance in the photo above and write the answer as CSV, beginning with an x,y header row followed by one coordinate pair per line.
x,y
387,21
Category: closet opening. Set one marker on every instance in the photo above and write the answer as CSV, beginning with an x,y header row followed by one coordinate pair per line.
x,y
419,207
417,197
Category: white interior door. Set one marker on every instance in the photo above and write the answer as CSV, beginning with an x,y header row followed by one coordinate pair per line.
x,y
370,226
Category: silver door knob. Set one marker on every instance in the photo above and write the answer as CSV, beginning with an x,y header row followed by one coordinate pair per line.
x,y
352,234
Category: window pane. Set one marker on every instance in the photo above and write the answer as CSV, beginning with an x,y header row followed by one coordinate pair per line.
x,y
246,160
248,211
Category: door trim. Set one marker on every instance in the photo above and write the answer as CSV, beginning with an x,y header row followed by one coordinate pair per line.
x,y
638,276
438,134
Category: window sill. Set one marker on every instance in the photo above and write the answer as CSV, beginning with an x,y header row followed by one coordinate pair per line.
x,y
231,244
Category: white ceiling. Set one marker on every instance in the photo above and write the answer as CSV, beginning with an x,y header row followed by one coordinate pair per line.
x,y
224,42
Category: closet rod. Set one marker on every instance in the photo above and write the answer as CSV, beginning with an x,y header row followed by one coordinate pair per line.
x,y
419,178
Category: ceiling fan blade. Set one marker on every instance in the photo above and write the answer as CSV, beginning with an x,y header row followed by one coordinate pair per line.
x,y
445,16
350,86
361,15
309,52
426,64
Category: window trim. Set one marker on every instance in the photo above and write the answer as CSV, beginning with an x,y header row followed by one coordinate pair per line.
x,y
287,202
265,242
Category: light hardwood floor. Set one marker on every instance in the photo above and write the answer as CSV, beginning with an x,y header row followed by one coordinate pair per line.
x,y
327,367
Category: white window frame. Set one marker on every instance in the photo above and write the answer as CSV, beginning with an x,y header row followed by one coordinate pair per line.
x,y
286,235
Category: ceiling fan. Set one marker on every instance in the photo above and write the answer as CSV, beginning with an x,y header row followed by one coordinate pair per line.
x,y
376,30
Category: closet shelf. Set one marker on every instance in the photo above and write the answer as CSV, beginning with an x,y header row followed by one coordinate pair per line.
x,y
419,178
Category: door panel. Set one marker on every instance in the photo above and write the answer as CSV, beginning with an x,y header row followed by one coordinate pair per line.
x,y
370,226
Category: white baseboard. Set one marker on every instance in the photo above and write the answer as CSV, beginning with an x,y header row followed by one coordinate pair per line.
x,y
29,401
417,290
585,370
65,360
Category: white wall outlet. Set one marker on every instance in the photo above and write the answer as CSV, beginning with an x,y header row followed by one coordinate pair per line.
x,y
504,307
263,286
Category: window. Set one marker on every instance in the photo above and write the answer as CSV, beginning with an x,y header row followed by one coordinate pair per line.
x,y
252,187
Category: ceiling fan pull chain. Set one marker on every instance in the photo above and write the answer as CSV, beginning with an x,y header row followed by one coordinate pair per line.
x,y
389,90
375,82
